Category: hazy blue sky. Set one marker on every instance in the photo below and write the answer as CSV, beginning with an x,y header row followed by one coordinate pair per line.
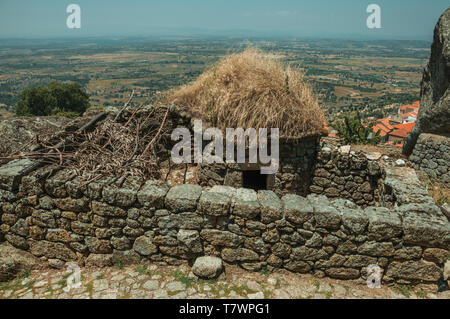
x,y
402,19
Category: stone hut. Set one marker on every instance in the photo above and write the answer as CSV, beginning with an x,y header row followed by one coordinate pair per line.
x,y
253,89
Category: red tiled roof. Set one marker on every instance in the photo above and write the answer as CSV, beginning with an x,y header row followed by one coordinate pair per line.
x,y
405,108
406,127
385,123
381,129
399,133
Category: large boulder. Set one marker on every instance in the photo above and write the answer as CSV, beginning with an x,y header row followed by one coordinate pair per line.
x,y
13,261
8,268
434,114
207,267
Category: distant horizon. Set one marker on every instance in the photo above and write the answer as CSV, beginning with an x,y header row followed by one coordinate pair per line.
x,y
303,19
219,36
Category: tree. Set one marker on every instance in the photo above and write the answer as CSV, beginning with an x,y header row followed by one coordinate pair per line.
x,y
57,98
353,131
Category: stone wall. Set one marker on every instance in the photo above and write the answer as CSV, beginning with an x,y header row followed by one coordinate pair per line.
x,y
60,219
342,173
432,156
310,167
297,159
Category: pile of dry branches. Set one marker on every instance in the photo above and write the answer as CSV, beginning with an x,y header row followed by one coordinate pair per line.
x,y
122,145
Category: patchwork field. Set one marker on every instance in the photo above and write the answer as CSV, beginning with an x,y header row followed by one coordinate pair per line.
x,y
346,75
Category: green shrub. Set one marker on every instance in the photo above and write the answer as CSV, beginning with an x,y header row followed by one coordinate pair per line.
x,y
58,98
352,130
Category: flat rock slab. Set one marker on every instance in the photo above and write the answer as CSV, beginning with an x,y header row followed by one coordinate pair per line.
x,y
11,174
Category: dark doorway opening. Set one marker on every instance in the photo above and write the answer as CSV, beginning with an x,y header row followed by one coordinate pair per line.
x,y
254,180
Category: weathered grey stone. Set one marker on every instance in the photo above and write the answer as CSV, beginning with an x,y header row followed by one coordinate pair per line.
x,y
152,194
307,254
342,273
21,228
347,247
46,202
183,198
123,196
296,209
8,268
226,190
94,190
257,244
408,252
207,267
128,257
414,270
221,238
56,263
298,266
55,185
98,246
436,255
190,239
271,208
44,218
82,228
358,261
72,205
384,224
52,250
245,203
331,240
353,217
17,241
103,209
120,243
184,220
314,241
428,231
214,204
58,235
281,250
144,246
151,285
326,216
12,172
7,196
232,255
373,248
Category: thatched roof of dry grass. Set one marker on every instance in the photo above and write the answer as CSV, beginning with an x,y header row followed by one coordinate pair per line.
x,y
252,89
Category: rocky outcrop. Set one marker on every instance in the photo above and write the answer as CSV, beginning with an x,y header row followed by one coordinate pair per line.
x,y
17,132
434,114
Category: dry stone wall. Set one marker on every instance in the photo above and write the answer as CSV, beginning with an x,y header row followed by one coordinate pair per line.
x,y
432,155
59,219
342,173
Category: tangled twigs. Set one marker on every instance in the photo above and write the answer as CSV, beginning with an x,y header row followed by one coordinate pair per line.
x,y
125,106
126,148
157,134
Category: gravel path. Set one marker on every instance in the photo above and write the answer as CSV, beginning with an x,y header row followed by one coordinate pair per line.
x,y
156,282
